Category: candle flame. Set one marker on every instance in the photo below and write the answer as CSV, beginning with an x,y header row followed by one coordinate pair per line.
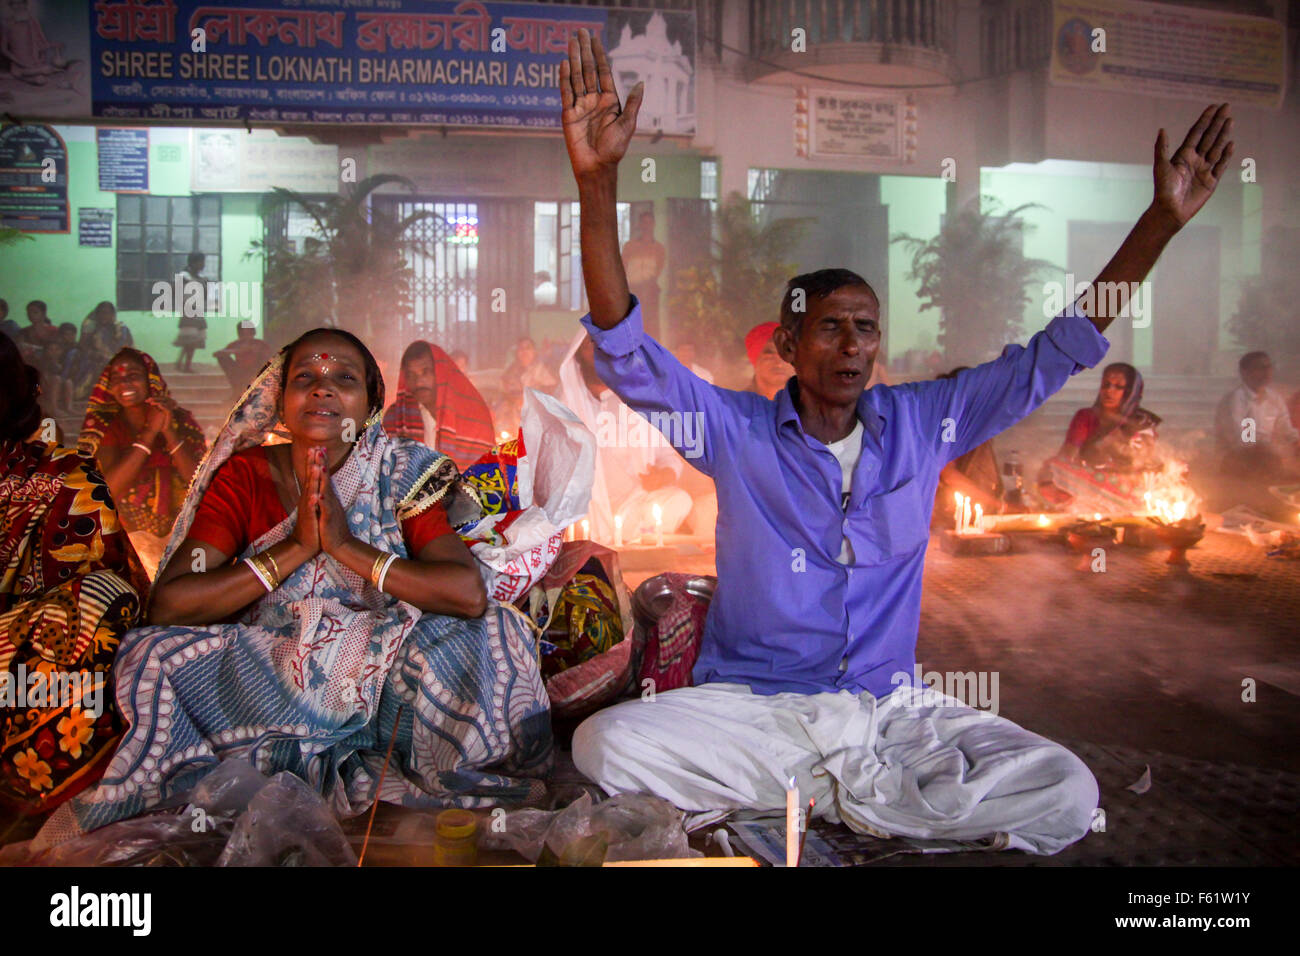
x,y
618,521
658,513
1042,521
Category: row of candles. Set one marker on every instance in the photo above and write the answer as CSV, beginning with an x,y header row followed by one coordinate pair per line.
x,y
571,532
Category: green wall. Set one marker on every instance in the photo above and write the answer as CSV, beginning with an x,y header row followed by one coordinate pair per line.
x,y
915,206
72,278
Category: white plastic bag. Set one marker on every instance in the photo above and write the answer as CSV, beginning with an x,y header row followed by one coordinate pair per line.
x,y
554,482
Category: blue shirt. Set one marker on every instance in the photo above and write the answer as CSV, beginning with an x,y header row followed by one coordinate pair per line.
x,y
786,614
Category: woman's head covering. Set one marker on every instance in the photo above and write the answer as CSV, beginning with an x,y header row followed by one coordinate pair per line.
x,y
465,430
1132,388
756,339
412,476
103,408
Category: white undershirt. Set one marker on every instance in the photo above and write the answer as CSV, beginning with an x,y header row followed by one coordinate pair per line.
x,y
847,451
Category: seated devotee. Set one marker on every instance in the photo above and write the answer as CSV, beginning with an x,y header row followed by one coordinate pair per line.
x,y
1113,439
636,466
61,358
527,370
39,333
974,474
147,447
439,406
825,498
311,589
102,337
70,586
771,372
243,358
1253,428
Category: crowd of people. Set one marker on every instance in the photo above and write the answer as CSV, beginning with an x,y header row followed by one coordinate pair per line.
x,y
311,603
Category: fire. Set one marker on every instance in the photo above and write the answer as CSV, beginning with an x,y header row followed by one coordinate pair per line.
x,y
1168,497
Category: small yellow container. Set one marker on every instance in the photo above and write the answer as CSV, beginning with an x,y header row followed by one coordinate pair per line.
x,y
455,841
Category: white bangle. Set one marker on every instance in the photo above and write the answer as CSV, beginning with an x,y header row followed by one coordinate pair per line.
x,y
383,572
143,447
260,576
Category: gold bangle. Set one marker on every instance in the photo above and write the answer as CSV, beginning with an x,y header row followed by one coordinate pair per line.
x,y
274,567
376,567
273,578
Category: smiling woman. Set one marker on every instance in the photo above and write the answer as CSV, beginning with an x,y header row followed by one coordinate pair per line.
x,y
310,591
147,447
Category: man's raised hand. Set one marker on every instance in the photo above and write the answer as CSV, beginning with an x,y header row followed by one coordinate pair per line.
x,y
1184,182
596,129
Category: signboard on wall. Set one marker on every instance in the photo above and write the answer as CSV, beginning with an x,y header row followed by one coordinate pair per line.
x,y
858,124
239,161
123,159
410,61
1163,50
95,227
33,179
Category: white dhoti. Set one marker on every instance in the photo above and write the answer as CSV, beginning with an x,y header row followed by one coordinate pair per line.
x,y
916,763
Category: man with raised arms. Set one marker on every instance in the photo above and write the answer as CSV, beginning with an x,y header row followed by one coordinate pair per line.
x,y
824,496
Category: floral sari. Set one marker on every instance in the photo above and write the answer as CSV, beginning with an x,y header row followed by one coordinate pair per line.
x,y
310,678
69,590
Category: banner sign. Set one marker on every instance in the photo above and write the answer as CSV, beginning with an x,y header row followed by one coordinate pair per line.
x,y
33,179
123,160
1126,46
403,61
95,227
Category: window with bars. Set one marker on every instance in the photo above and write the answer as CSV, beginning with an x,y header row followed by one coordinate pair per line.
x,y
155,235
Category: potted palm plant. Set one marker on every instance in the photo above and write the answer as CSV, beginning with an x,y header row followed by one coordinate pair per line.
x,y
352,273
976,273
741,282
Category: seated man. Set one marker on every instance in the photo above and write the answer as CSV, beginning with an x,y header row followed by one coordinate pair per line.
x,y
438,406
771,372
1252,425
243,358
824,497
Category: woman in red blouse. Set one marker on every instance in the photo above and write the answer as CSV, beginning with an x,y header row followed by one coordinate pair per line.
x,y
316,611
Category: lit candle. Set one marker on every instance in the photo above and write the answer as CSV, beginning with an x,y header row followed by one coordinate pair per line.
x,y
1096,516
965,514
618,531
586,530
659,526
792,824
1042,521
979,519
956,514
